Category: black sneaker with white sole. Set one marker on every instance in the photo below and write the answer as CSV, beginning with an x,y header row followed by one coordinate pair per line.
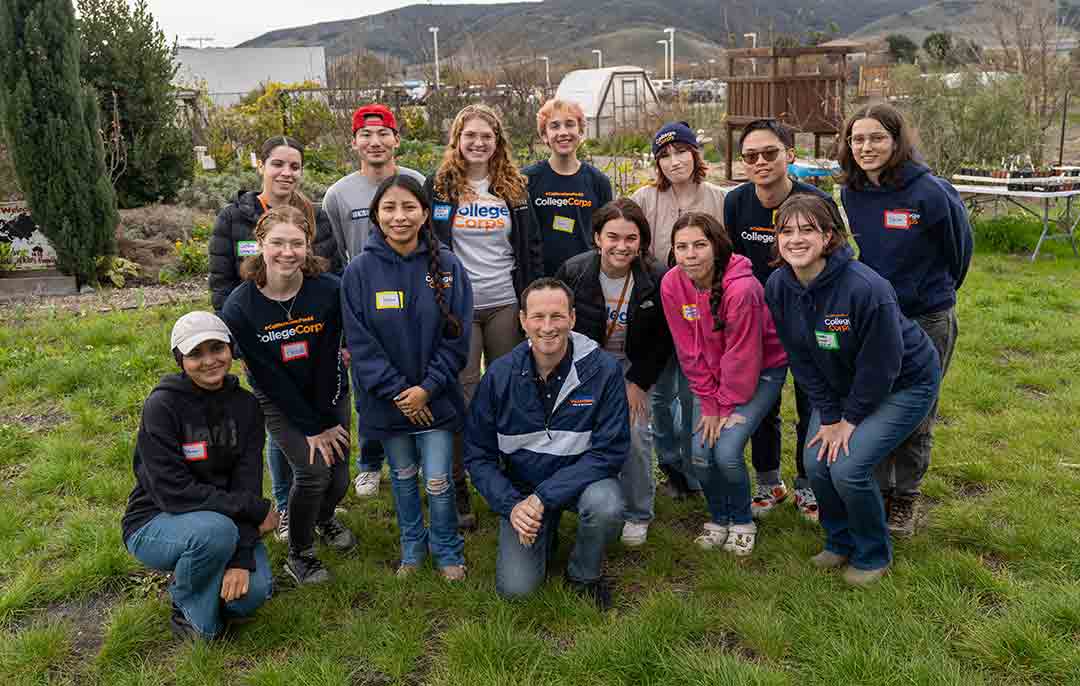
x,y
336,535
305,568
181,627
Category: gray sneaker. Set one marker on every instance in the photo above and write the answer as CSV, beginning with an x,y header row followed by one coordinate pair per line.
x,y
282,531
335,534
304,568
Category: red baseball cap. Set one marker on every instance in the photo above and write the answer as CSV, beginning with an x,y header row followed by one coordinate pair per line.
x,y
373,114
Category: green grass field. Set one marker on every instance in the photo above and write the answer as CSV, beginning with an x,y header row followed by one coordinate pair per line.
x,y
987,593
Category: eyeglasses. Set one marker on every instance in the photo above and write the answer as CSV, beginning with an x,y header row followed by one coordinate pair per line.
x,y
768,154
875,139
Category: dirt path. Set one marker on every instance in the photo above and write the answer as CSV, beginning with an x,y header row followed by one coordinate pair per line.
x,y
113,299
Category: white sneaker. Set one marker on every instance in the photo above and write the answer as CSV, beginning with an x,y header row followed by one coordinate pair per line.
x,y
634,534
741,539
712,536
367,484
282,532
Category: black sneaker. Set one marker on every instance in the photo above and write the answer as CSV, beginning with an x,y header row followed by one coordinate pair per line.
x,y
336,535
599,592
305,568
676,486
181,627
902,516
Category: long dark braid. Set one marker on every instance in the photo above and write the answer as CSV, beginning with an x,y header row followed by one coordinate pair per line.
x,y
452,326
721,245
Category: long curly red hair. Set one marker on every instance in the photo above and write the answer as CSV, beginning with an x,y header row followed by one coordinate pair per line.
x,y
507,182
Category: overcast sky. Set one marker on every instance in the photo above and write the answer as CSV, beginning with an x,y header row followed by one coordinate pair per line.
x,y
230,22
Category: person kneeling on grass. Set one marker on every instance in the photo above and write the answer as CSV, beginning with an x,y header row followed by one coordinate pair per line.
x,y
549,430
727,346
197,509
871,373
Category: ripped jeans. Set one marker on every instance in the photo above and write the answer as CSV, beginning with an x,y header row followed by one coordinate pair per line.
x,y
429,452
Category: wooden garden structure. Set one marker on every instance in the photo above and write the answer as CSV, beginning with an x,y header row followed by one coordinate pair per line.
x,y
802,87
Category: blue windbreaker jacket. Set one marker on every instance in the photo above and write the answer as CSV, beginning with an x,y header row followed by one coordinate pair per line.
x,y
512,449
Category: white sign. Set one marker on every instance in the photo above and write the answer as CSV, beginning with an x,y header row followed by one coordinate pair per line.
x,y
17,228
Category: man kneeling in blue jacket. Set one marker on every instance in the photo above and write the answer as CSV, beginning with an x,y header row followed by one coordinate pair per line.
x,y
548,430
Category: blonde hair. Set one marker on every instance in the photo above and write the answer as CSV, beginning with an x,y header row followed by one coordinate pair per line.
x,y
253,268
549,108
451,180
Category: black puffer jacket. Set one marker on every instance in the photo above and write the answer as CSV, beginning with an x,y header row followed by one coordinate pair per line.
x,y
648,339
236,223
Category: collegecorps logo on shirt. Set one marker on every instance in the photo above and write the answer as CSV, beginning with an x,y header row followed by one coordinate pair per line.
x,y
759,234
283,331
482,216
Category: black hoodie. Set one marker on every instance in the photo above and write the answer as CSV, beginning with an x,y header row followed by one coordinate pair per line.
x,y
233,239
200,450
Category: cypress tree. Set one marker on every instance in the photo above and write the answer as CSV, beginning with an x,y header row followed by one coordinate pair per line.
x,y
52,127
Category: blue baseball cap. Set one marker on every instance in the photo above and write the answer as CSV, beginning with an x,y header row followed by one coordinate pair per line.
x,y
674,132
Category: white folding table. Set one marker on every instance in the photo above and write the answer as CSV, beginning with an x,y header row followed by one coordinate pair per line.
x,y
1063,226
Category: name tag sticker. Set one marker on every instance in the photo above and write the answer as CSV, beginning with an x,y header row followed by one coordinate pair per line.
x,y
389,300
898,219
564,224
195,452
581,402
690,313
827,340
246,248
294,351
441,212
361,213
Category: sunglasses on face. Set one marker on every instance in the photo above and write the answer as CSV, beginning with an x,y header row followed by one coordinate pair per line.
x,y
768,154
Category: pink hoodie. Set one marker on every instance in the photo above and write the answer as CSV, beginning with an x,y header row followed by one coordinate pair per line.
x,y
723,366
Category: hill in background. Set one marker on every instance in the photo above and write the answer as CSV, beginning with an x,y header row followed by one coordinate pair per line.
x,y
567,30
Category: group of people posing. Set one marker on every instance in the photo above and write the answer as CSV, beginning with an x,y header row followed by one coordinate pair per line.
x,y
522,329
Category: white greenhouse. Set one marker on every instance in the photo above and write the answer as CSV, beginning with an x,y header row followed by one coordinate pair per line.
x,y
614,98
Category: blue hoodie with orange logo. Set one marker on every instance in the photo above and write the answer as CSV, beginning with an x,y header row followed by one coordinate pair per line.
x,y
916,234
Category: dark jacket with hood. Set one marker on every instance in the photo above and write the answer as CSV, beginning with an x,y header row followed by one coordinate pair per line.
x,y
524,233
233,239
648,339
847,342
394,330
916,234
200,450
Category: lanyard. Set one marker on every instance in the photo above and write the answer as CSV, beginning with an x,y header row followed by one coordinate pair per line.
x,y
618,308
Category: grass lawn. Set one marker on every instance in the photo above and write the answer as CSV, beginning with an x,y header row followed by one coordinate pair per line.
x,y
987,593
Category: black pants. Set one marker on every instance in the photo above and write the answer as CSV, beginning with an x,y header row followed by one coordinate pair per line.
x,y
765,443
317,489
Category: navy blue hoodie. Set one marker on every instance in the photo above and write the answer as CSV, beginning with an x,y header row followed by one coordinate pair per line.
x,y
916,234
848,344
394,332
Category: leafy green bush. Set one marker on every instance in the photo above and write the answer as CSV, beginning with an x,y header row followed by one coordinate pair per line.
x,y
116,270
192,257
1011,233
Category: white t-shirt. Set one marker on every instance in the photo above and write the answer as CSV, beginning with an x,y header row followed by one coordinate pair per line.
x,y
619,314
481,239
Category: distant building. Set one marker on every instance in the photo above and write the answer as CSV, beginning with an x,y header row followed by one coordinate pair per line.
x,y
231,73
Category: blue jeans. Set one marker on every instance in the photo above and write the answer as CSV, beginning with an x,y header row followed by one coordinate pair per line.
x,y
721,469
433,452
281,476
371,455
637,478
519,570
195,547
672,429
852,511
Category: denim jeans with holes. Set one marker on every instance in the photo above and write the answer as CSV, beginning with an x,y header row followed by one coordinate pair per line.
x,y
430,452
725,481
672,426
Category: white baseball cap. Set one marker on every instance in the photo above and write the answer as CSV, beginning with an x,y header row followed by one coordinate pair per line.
x,y
194,328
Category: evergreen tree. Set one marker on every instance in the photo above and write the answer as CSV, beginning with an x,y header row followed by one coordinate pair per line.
x,y
126,58
51,123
